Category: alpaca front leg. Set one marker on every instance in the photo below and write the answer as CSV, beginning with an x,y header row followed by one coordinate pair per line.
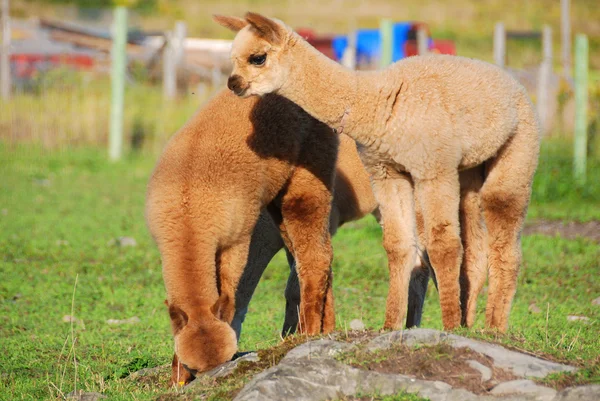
x,y
394,193
439,201
231,266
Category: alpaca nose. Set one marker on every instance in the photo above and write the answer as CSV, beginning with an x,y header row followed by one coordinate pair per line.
x,y
234,83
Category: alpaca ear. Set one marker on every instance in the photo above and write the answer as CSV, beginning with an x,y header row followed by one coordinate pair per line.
x,y
266,28
233,23
178,318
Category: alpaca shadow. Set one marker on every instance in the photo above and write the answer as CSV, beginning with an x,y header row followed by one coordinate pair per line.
x,y
284,131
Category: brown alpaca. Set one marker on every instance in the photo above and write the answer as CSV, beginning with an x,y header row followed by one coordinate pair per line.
x,y
430,117
203,201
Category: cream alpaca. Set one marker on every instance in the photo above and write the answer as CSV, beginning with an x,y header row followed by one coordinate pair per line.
x,y
428,116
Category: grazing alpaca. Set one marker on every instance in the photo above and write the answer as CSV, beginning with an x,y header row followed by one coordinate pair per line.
x,y
430,117
203,201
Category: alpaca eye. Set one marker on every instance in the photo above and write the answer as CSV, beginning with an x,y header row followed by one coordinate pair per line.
x,y
257,59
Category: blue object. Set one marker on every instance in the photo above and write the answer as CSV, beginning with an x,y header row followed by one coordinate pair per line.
x,y
368,43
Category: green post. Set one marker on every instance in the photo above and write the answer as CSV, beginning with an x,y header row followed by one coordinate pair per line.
x,y
387,42
119,61
581,107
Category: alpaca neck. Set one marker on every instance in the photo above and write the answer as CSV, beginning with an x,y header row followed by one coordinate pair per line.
x,y
328,91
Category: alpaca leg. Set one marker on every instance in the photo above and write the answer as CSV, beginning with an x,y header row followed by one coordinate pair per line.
x,y
394,193
439,199
305,209
474,266
292,298
266,242
231,267
505,197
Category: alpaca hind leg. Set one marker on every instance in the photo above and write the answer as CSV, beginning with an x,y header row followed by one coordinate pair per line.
x,y
231,267
439,201
505,197
394,193
305,209
473,270
292,298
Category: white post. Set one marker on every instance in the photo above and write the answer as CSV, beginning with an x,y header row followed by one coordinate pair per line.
x,y
179,43
5,52
118,73
422,45
544,75
349,56
169,67
565,30
500,45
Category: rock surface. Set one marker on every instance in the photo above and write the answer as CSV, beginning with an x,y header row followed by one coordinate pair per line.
x,y
310,372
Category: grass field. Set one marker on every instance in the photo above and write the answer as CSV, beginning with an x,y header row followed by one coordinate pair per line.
x,y
59,213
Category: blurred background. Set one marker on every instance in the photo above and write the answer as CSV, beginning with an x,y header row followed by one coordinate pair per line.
x,y
60,56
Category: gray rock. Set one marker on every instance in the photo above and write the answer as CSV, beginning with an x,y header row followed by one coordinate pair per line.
x,y
80,395
574,318
580,393
148,371
122,242
596,301
408,337
131,320
520,364
221,371
486,373
524,387
533,308
317,349
357,325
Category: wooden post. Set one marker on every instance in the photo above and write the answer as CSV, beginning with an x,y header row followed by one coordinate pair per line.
x,y
387,42
169,67
543,84
179,44
422,45
500,45
5,77
119,64
581,106
565,34
349,56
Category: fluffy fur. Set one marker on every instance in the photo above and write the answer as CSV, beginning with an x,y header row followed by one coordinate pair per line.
x,y
204,198
420,121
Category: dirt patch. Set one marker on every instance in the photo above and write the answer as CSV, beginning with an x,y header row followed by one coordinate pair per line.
x,y
440,362
569,230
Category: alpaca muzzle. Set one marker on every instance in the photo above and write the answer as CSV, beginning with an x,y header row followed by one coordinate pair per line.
x,y
236,84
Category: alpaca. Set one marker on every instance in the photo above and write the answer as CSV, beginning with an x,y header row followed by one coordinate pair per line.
x,y
204,198
428,116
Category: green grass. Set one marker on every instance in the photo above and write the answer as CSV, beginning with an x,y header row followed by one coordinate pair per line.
x,y
60,210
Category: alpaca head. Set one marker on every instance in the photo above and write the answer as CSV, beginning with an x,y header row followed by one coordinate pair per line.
x,y
259,56
201,344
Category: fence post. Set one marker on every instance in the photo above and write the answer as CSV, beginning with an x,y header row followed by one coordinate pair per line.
x,y
349,56
581,106
500,45
169,67
387,42
422,45
118,70
5,77
565,29
543,84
